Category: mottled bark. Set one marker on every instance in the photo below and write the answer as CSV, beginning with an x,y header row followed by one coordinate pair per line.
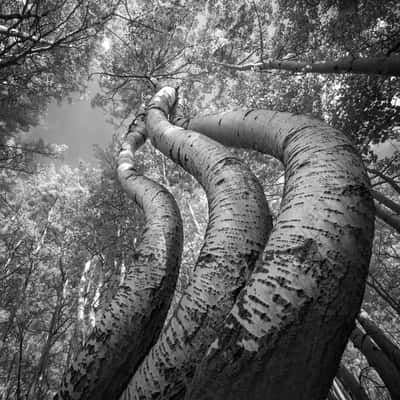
x,y
378,360
381,198
351,384
383,65
238,226
390,349
132,322
286,333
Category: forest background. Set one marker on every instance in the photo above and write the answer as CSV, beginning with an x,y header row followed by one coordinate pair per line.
x,y
67,233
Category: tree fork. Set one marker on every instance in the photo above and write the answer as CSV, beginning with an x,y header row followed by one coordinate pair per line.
x,y
286,333
238,227
132,322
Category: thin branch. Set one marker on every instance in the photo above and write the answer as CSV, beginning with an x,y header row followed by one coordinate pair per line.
x,y
259,30
386,178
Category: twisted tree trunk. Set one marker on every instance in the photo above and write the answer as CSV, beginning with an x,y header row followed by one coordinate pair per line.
x,y
286,333
132,322
239,223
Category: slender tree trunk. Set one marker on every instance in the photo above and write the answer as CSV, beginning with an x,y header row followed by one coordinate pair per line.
x,y
383,65
338,392
19,367
381,198
286,333
351,384
390,219
388,347
36,383
238,227
132,322
378,360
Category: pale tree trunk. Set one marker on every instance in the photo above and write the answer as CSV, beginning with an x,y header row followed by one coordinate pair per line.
x,y
238,227
82,326
286,333
133,320
383,65
377,359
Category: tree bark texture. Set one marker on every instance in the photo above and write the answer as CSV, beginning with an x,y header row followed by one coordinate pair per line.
x,y
132,322
383,65
378,360
238,227
286,333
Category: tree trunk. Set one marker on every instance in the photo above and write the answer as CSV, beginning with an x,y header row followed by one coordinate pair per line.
x,y
351,384
390,219
383,65
378,360
286,333
391,351
381,198
132,322
238,227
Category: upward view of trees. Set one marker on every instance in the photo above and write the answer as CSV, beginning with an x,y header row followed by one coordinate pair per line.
x,y
117,283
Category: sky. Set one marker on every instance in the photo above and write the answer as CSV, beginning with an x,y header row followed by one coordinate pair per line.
x,y
77,125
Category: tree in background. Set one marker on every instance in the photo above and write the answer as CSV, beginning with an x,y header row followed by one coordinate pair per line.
x,y
45,52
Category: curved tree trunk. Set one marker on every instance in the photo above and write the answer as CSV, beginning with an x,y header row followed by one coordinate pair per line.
x,y
286,333
132,322
239,223
378,360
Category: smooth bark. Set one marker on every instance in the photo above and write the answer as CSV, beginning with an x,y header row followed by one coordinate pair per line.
x,y
383,65
238,227
132,322
286,333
